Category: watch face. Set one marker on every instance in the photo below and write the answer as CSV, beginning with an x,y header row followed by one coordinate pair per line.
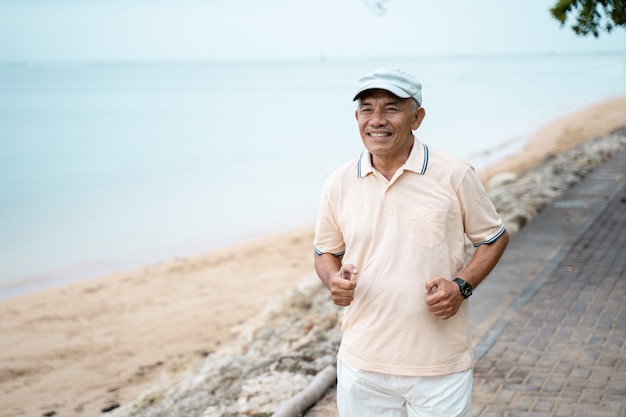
x,y
467,291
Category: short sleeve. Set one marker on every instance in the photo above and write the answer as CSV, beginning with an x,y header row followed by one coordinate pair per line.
x,y
328,237
481,221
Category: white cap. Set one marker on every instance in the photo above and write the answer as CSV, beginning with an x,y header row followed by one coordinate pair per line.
x,y
395,81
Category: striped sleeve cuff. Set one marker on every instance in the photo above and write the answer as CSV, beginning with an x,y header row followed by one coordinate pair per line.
x,y
319,252
493,239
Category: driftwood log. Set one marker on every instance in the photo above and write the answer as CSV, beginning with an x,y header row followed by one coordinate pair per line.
x,y
306,398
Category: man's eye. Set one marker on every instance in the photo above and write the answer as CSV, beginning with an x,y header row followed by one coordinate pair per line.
x,y
366,110
392,109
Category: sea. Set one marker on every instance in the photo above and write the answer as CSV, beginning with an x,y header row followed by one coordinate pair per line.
x,y
109,166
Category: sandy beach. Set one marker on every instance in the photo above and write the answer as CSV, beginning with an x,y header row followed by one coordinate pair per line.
x,y
80,349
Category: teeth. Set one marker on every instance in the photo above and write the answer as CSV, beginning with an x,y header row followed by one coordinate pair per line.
x,y
379,135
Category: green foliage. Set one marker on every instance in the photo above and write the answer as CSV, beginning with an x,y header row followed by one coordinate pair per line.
x,y
593,15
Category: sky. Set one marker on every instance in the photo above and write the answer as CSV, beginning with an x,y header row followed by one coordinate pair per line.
x,y
76,30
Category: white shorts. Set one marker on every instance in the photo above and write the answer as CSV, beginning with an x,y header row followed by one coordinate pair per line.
x,y
363,393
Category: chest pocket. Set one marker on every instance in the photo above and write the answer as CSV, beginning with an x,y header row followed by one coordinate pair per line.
x,y
428,227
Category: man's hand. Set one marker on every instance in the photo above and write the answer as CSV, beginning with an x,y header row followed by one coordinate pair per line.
x,y
343,284
443,297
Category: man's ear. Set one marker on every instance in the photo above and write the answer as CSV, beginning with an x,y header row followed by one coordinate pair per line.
x,y
420,114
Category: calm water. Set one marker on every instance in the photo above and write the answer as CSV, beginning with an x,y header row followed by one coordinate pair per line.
x,y
111,166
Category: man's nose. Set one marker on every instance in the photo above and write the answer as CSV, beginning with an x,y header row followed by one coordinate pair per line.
x,y
378,118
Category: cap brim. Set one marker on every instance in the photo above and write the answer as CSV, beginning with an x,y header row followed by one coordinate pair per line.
x,y
395,90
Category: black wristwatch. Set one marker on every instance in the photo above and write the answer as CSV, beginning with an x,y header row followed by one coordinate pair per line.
x,y
466,289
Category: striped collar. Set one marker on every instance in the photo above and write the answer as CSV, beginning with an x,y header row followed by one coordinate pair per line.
x,y
417,161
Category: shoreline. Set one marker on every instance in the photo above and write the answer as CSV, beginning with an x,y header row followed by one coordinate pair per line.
x,y
132,329
560,135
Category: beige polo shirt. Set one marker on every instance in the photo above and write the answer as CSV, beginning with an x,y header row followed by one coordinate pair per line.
x,y
399,234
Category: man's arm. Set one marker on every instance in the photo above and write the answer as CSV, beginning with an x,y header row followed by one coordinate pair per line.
x,y
484,260
339,279
443,296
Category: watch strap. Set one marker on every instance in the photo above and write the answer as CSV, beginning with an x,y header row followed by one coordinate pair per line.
x,y
464,287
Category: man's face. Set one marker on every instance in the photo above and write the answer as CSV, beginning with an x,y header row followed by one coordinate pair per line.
x,y
386,123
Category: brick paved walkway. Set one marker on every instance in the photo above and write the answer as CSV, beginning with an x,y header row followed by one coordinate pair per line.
x,y
564,353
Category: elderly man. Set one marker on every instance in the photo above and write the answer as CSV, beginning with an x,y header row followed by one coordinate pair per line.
x,y
390,247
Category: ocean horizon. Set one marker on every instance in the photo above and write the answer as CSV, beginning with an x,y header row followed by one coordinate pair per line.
x,y
109,166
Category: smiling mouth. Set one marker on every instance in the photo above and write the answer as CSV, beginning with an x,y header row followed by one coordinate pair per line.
x,y
379,134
